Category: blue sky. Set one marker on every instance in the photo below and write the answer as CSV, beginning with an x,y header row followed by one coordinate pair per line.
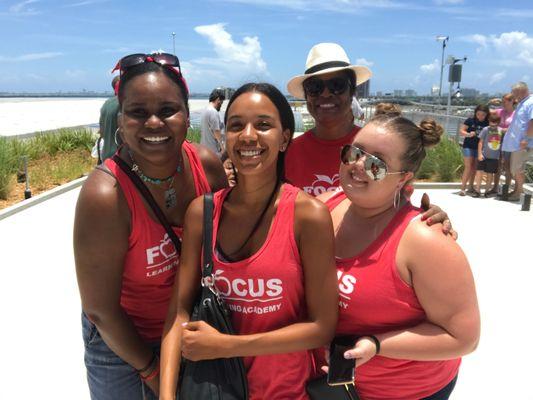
x,y
52,45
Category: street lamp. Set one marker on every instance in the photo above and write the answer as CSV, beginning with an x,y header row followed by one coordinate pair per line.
x,y
174,42
444,39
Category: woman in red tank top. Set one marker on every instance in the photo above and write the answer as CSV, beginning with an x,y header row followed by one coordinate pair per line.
x,y
125,261
273,261
406,292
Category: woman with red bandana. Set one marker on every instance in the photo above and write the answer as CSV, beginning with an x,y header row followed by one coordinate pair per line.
x,y
125,261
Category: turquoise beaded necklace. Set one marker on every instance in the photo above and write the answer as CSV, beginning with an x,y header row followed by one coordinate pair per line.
x,y
170,193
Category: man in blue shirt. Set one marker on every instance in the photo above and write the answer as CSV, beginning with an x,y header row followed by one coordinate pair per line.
x,y
519,137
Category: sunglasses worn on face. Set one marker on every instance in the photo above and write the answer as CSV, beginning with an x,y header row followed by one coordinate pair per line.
x,y
375,167
315,86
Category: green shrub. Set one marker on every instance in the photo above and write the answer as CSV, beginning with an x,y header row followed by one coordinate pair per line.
x,y
8,166
443,163
41,145
194,135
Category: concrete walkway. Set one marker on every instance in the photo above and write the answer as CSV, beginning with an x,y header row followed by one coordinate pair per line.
x,y
40,338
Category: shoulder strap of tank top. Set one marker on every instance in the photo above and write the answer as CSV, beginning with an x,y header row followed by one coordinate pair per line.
x,y
197,169
149,199
335,200
207,241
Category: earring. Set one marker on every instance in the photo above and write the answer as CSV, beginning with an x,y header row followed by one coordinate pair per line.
x,y
118,141
397,197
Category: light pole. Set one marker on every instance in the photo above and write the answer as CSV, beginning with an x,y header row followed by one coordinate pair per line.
x,y
444,39
454,76
174,42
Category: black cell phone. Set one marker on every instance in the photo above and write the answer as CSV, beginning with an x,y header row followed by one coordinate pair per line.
x,y
341,371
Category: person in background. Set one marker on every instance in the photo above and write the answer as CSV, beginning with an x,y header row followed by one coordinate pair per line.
x,y
489,152
125,260
328,85
229,168
357,111
518,139
272,261
108,123
470,131
211,124
407,294
506,113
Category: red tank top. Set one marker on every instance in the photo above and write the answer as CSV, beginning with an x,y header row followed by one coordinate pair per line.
x,y
374,299
151,261
266,292
312,164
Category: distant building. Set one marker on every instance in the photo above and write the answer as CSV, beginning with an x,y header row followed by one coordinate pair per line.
x,y
398,93
434,90
467,92
379,94
410,93
363,90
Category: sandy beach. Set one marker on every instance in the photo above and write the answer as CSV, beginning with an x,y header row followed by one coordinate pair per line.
x,y
22,116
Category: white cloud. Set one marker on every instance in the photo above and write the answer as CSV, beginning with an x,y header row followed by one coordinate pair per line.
x,y
344,6
31,57
509,49
22,9
234,62
497,77
430,68
364,61
75,73
448,2
86,3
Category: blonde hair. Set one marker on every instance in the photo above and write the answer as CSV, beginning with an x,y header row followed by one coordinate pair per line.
x,y
416,137
388,108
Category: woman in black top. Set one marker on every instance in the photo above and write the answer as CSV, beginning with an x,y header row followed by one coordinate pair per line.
x,y
470,131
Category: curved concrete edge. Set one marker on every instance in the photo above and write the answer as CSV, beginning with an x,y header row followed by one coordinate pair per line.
x,y
78,182
437,185
23,205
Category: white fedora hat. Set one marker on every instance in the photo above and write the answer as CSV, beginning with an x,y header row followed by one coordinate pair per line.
x,y
322,59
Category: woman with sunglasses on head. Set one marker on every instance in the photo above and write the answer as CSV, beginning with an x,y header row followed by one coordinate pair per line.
x,y
125,260
407,294
273,261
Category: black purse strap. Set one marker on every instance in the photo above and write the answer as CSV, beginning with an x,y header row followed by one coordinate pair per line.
x,y
207,269
150,200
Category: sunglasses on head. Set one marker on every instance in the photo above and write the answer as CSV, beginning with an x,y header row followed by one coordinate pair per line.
x,y
375,167
314,86
163,59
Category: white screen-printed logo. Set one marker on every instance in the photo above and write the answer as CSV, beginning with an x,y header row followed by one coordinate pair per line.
x,y
322,183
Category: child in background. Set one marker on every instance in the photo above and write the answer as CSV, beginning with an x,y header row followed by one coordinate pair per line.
x,y
489,148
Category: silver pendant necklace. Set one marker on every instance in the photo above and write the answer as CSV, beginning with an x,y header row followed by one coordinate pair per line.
x,y
171,199
170,195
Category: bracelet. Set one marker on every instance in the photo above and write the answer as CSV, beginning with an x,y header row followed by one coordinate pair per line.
x,y
147,367
152,374
376,342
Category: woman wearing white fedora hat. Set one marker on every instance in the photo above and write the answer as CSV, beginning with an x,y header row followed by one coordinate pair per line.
x,y
328,85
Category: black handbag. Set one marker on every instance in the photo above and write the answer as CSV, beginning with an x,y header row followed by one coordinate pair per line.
x,y
223,378
220,379
318,389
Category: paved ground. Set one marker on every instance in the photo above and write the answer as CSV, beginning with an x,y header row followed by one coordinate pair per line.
x,y
40,339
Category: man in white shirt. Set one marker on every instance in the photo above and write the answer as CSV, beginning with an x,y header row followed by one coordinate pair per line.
x,y
211,124
518,139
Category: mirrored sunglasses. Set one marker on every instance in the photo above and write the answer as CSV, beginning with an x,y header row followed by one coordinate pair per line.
x,y
375,167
